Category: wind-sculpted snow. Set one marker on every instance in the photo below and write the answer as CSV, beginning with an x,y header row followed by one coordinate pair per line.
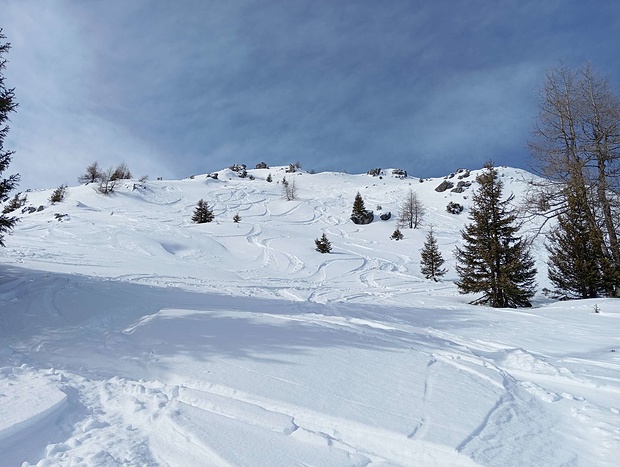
x,y
131,336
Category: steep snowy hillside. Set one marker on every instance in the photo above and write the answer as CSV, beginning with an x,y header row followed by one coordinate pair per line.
x,y
132,336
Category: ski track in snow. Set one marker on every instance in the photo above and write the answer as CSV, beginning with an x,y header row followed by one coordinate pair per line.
x,y
139,338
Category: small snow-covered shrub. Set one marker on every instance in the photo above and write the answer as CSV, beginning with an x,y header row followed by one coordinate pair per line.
x,y
15,203
59,194
397,235
454,208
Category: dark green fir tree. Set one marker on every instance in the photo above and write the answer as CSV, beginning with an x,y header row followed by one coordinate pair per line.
x,y
358,205
7,105
323,245
397,234
431,259
203,213
575,265
493,260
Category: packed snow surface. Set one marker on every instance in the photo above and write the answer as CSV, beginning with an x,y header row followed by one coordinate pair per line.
x,y
131,336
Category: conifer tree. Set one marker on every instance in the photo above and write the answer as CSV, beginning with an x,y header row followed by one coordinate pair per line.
x,y
397,235
15,203
236,218
323,245
360,215
7,105
576,148
575,266
493,260
431,259
59,194
358,206
202,213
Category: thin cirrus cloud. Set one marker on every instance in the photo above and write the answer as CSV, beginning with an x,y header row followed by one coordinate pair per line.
x,y
176,88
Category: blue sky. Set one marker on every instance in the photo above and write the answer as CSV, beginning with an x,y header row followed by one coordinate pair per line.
x,y
186,87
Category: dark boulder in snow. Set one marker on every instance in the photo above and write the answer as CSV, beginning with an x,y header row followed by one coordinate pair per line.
x,y
445,185
460,187
29,210
365,218
237,167
385,216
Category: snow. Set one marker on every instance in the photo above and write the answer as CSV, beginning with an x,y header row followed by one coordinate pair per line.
x,y
131,336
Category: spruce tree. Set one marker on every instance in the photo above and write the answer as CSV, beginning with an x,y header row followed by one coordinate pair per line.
x,y
202,213
59,194
15,203
358,206
323,245
7,105
575,266
431,259
397,235
360,215
493,260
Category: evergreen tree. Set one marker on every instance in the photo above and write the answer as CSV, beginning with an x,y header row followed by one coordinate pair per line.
x,y
59,194
575,266
493,260
397,235
269,178
358,206
431,259
236,218
15,203
7,105
576,148
359,214
202,213
323,245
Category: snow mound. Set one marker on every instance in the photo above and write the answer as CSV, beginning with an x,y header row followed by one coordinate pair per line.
x,y
36,397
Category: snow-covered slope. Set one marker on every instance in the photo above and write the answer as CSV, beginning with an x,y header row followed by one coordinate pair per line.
x,y
131,336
